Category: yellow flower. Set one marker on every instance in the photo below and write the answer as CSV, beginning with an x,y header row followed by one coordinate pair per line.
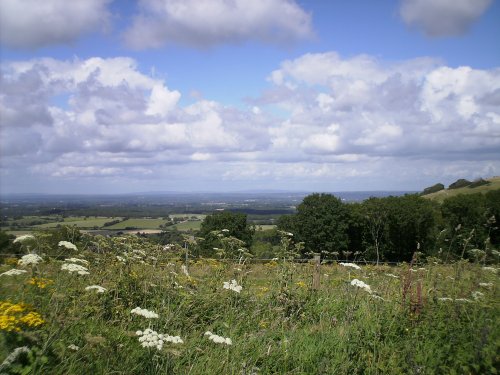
x,y
12,317
301,284
40,282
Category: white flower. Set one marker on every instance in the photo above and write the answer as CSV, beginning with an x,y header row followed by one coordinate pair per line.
x,y
225,230
463,300
477,295
139,252
23,238
445,299
73,347
13,272
491,269
486,285
71,267
391,275
76,260
352,265
377,297
185,270
362,285
97,288
218,339
152,339
29,259
233,285
121,259
145,313
67,245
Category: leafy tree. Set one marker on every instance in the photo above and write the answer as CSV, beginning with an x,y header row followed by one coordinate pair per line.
x,y
233,223
433,189
322,223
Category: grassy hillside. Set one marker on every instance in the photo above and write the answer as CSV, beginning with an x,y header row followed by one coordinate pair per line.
x,y
443,194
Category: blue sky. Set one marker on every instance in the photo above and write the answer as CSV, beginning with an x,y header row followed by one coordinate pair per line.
x,y
104,96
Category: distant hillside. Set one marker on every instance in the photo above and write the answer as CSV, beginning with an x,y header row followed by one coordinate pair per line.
x,y
470,188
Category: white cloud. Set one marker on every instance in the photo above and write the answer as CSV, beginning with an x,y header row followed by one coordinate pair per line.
x,y
437,18
208,23
35,23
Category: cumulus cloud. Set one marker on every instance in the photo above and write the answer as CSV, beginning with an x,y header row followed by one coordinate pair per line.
x,y
34,23
439,18
208,23
358,119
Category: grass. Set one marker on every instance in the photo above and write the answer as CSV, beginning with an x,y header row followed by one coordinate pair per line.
x,y
277,324
443,194
138,223
186,226
81,222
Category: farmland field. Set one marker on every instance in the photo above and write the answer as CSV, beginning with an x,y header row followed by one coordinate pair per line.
x,y
218,316
138,223
81,222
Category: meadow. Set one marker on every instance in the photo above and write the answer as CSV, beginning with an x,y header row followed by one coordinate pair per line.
x,y
124,305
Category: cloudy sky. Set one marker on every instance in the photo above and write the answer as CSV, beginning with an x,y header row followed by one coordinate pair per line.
x,y
116,96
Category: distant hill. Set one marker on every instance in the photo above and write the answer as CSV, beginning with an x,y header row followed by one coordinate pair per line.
x,y
479,186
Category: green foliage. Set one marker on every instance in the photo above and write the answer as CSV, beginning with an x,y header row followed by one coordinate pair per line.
x,y
233,224
460,183
433,189
321,222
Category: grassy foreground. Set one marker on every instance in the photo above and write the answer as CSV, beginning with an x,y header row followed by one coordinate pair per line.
x,y
431,319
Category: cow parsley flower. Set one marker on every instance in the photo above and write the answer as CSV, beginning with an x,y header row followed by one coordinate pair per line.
x,y
477,295
152,339
23,238
486,285
185,270
218,339
13,272
67,245
29,259
121,259
352,265
491,269
391,275
72,267
445,299
73,347
233,285
362,285
145,313
76,260
97,288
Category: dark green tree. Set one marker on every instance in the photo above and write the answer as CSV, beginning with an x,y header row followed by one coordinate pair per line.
x,y
322,223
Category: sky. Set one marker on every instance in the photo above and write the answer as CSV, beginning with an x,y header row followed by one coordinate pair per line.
x,y
123,96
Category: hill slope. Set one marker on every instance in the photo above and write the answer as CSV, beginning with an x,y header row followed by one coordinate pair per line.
x,y
443,194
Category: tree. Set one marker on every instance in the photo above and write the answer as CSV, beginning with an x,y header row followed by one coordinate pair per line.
x,y
322,223
233,222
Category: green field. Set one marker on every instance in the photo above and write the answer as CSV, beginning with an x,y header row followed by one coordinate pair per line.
x,y
443,194
81,222
186,226
426,319
144,223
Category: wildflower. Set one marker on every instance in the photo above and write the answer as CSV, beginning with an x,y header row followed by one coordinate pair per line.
x,y
71,267
29,259
23,238
225,230
12,318
477,295
443,299
300,284
67,245
11,358
77,260
97,288
486,285
73,347
352,265
491,269
145,313
218,339
463,300
391,275
121,259
40,282
185,270
152,339
377,297
139,252
13,272
362,285
233,285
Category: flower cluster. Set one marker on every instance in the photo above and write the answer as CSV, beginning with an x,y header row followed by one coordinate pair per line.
x,y
97,288
13,272
486,285
218,339
71,267
77,260
491,269
362,285
29,259
14,316
352,265
40,282
233,285
67,245
145,313
23,238
152,339
73,347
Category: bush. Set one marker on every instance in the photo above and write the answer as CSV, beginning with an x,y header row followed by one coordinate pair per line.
x,y
433,189
459,184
